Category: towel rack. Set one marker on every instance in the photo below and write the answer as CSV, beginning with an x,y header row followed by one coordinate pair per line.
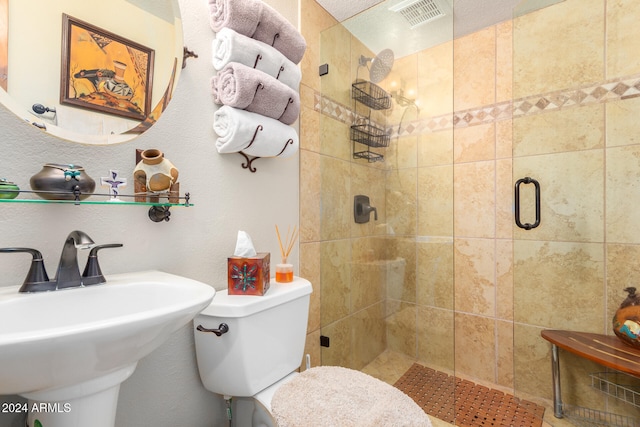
x,y
250,159
261,86
259,57
285,108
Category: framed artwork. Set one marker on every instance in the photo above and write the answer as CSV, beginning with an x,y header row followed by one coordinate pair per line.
x,y
4,43
104,72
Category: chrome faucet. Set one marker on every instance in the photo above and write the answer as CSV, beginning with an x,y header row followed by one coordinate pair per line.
x,y
68,275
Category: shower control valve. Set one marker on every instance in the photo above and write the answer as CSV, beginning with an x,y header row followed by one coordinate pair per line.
x,y
362,209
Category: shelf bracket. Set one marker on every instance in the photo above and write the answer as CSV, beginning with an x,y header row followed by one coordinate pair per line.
x,y
186,54
159,213
248,163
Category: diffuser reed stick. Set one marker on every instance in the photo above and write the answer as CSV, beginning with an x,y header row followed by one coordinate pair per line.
x,y
290,239
284,271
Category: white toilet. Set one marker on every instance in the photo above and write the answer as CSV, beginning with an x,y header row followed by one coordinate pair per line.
x,y
261,350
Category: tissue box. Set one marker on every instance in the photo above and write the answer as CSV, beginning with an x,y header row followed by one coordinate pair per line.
x,y
249,276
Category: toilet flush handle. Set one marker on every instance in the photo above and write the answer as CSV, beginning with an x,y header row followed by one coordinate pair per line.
x,y
222,329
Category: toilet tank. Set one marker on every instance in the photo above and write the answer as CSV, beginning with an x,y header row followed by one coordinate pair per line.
x,y
265,341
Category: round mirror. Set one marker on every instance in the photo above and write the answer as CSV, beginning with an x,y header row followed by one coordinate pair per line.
x,y
90,72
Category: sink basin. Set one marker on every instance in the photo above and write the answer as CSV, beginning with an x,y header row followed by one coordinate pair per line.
x,y
76,346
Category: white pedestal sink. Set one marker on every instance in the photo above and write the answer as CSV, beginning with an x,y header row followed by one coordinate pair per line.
x,y
68,351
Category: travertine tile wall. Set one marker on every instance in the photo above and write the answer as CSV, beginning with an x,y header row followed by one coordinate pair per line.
x,y
568,131
551,95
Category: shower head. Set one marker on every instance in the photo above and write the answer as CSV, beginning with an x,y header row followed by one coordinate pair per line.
x,y
380,65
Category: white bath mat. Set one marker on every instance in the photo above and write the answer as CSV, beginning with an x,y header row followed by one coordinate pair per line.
x,y
331,396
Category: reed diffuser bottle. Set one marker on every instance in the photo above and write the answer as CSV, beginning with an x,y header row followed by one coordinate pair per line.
x,y
284,270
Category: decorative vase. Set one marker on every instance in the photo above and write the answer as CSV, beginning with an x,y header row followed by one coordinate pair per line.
x,y
8,190
626,320
62,182
155,172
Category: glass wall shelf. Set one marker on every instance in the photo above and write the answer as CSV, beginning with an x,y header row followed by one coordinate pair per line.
x,y
159,202
96,202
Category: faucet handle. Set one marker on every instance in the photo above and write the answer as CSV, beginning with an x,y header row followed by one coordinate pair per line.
x,y
37,278
362,209
375,212
92,274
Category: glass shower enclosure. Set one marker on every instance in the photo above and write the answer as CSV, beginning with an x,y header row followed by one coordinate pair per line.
x,y
387,283
536,114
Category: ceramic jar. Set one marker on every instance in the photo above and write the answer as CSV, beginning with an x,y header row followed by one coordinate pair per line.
x,y
626,320
8,190
155,172
62,182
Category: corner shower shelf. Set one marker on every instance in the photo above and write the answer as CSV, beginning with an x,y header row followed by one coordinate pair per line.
x,y
158,211
371,95
364,131
370,135
368,155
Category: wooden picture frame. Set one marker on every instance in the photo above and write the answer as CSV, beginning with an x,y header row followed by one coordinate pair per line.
x,y
4,43
104,72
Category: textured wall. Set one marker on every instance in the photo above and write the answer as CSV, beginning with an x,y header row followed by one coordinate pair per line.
x,y
165,390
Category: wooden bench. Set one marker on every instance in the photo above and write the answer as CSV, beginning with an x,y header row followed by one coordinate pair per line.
x,y
605,350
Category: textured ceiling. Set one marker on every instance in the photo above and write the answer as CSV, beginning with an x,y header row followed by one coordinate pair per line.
x,y
341,9
378,27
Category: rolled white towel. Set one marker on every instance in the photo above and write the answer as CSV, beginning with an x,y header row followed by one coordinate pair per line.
x,y
230,46
253,134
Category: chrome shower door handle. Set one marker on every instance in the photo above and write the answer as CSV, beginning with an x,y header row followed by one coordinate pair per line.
x,y
527,180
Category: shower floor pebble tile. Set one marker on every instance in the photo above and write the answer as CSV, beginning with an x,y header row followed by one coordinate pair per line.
x,y
390,366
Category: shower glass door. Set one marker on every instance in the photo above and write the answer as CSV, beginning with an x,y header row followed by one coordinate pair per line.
x,y
387,284
575,132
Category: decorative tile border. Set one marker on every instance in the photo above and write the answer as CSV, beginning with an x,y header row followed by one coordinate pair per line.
x,y
482,115
613,90
432,124
333,109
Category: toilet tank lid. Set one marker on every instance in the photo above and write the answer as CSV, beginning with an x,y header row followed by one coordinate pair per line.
x,y
225,305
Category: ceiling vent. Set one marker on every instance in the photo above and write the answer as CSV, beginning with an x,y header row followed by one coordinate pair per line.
x,y
418,12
